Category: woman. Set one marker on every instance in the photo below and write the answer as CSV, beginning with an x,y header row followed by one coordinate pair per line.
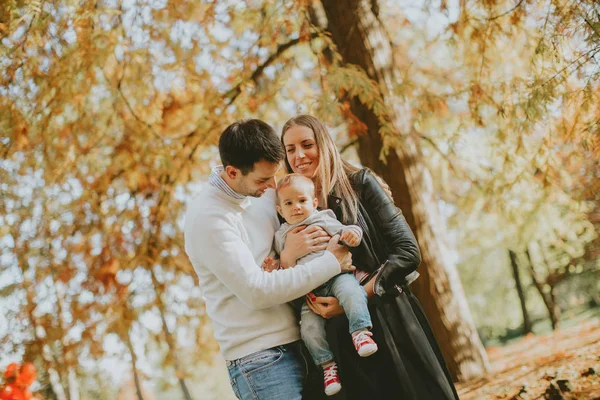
x,y
409,364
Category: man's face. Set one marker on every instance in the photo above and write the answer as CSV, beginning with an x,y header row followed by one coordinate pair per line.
x,y
261,178
296,202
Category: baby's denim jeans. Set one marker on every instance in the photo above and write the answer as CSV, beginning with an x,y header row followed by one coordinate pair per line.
x,y
352,298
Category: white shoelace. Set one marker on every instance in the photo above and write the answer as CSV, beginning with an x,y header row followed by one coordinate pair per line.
x,y
361,338
330,372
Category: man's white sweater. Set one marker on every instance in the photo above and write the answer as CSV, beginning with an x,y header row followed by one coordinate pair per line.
x,y
227,240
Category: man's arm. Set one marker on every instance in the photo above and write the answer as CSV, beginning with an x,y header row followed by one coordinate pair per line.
x,y
226,255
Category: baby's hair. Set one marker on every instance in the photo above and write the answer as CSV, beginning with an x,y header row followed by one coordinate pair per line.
x,y
293,179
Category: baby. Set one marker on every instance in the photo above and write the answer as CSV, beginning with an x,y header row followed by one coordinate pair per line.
x,y
297,204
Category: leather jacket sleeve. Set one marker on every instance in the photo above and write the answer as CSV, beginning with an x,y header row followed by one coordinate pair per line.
x,y
404,255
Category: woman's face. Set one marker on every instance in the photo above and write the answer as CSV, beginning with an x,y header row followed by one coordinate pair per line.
x,y
301,150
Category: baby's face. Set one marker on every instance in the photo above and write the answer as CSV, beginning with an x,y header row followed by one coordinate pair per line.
x,y
296,203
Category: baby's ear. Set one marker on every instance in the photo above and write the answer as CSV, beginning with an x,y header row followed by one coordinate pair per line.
x,y
315,202
279,210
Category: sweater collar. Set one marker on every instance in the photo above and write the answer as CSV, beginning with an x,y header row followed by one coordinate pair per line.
x,y
225,191
216,180
238,203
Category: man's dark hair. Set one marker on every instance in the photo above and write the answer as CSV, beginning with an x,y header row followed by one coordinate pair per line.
x,y
248,141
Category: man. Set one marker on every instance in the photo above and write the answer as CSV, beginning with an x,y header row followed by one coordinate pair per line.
x,y
229,231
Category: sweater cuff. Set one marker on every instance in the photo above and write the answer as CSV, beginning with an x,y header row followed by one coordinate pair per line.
x,y
330,264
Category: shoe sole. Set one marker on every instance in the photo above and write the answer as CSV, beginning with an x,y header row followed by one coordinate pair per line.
x,y
332,389
368,350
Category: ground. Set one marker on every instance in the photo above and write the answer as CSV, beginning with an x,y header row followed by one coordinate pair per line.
x,y
564,365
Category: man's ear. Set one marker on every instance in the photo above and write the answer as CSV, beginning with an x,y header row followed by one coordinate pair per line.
x,y
232,172
279,210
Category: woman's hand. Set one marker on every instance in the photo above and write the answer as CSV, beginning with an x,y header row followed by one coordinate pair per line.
x,y
301,241
370,287
326,307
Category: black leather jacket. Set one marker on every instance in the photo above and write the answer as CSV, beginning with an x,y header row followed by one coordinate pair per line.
x,y
408,364
387,238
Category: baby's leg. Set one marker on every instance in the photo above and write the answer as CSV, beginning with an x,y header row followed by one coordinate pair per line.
x,y
312,329
353,299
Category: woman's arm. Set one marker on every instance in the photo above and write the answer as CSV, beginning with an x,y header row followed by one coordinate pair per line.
x,y
369,287
404,255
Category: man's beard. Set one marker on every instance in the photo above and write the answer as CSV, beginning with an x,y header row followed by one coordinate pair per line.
x,y
246,192
255,194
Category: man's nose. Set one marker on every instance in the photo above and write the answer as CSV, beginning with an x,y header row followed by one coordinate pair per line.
x,y
271,183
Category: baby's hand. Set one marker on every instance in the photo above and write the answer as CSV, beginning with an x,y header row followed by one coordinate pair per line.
x,y
270,264
350,238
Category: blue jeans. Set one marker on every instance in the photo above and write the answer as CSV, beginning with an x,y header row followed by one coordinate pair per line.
x,y
352,298
272,374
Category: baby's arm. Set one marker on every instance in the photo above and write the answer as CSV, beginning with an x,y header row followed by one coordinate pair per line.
x,y
351,235
271,263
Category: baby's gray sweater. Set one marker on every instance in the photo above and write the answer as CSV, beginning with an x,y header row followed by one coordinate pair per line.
x,y
325,219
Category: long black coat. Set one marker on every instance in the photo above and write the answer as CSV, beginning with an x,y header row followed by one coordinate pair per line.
x,y
408,365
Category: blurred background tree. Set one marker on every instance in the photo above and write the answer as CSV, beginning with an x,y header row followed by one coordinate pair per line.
x,y
483,117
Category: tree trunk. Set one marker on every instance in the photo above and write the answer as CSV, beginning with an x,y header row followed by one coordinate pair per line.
x,y
554,308
362,40
169,338
48,360
136,378
515,270
552,305
53,375
547,298
73,384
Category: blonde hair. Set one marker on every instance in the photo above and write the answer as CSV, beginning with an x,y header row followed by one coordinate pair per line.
x,y
332,173
292,179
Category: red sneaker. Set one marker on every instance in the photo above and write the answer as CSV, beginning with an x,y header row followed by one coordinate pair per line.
x,y
364,345
332,380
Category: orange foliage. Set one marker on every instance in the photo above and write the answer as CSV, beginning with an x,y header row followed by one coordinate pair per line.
x,y
18,379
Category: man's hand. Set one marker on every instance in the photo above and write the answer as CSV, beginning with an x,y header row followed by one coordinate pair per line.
x,y
342,254
301,241
350,237
270,264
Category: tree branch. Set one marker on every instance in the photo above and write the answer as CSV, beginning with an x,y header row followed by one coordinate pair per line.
x,y
141,121
593,52
506,12
235,92
7,149
348,145
591,26
232,94
436,147
448,160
